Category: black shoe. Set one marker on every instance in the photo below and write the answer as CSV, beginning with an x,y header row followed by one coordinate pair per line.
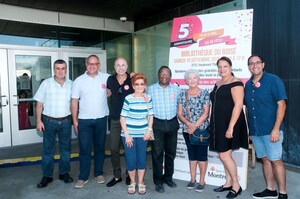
x,y
127,180
266,194
222,188
159,188
65,177
282,196
44,182
233,194
113,182
171,183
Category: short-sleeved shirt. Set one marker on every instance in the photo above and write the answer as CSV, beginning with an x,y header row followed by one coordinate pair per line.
x,y
195,106
56,98
118,94
91,92
261,102
165,100
135,111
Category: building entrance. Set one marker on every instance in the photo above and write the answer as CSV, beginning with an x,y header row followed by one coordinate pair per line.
x,y
22,71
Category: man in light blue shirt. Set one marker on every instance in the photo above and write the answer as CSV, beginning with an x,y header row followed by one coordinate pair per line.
x,y
90,121
165,127
53,117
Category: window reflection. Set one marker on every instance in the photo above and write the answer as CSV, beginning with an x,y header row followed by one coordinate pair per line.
x,y
24,110
31,70
76,67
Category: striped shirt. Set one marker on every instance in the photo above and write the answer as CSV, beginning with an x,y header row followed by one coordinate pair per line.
x,y
165,100
56,98
135,111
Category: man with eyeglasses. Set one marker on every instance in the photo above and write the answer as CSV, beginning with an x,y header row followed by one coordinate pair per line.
x,y
119,86
165,98
89,95
265,99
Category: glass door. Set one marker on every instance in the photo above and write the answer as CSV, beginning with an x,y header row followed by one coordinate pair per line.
x,y
76,60
5,136
22,69
27,69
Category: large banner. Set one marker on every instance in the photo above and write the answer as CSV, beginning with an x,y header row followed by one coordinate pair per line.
x,y
197,42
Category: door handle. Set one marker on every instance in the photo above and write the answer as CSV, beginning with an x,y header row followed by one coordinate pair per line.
x,y
4,101
17,100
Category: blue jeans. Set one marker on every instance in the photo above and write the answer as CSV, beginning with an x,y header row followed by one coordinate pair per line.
x,y
63,130
135,155
91,134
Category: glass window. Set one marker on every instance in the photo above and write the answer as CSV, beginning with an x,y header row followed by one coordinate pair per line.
x,y
1,121
76,67
31,70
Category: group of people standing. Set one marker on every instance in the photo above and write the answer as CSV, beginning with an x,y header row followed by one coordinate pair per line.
x,y
137,113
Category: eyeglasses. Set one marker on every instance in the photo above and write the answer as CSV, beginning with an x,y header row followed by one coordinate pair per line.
x,y
120,90
93,64
255,63
141,84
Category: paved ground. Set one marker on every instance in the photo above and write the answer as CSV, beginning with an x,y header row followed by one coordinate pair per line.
x,y
20,182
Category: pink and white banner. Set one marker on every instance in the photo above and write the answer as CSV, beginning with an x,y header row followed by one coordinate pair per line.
x,y
197,42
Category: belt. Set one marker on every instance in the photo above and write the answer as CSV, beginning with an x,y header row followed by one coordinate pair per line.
x,y
166,120
58,118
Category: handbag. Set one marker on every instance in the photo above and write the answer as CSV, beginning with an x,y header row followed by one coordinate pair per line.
x,y
199,137
151,138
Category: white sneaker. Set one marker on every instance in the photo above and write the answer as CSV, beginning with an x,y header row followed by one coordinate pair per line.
x,y
80,183
100,179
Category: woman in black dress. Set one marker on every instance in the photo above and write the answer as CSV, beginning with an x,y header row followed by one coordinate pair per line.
x,y
228,129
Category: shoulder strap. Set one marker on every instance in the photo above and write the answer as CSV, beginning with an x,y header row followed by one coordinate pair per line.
x,y
186,104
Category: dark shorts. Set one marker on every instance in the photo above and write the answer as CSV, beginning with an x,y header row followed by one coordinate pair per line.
x,y
195,152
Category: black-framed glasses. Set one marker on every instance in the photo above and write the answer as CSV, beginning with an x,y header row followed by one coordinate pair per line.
x,y
255,63
120,90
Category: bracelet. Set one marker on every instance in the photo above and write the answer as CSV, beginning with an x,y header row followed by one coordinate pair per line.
x,y
150,129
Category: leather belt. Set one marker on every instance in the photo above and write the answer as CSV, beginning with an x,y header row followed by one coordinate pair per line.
x,y
166,119
58,118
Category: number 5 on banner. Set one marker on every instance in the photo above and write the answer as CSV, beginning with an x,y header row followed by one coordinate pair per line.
x,y
184,30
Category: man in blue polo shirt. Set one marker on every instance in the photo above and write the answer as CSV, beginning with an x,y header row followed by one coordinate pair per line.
x,y
265,98
165,128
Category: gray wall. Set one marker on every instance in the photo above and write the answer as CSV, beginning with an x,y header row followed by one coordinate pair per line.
x,y
276,37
